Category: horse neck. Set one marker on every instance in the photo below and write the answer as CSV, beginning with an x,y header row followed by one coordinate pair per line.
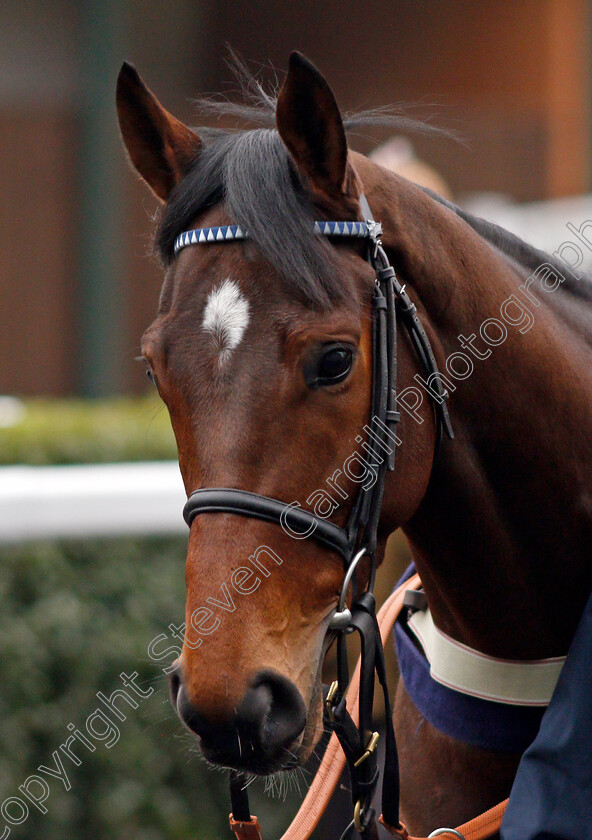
x,y
503,536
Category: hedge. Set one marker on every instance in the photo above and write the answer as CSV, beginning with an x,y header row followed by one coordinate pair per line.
x,y
89,431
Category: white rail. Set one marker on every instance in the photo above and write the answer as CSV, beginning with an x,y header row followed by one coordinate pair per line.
x,y
90,501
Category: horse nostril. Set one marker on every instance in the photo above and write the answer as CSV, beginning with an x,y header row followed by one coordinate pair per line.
x,y
182,705
190,716
273,710
175,685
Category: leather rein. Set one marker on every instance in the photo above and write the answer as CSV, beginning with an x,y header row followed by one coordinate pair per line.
x,y
355,542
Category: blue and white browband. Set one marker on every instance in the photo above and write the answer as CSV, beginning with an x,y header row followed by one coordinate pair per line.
x,y
227,233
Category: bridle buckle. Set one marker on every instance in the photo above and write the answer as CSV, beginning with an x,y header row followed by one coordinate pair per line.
x,y
331,694
369,749
358,814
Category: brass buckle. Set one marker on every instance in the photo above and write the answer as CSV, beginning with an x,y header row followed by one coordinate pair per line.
x,y
358,814
329,700
369,749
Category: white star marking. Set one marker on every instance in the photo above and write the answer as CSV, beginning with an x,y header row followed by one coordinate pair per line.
x,y
226,316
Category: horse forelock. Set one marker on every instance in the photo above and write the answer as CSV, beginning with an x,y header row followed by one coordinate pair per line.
x,y
251,174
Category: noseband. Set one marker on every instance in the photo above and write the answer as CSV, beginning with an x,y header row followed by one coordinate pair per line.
x,y
359,537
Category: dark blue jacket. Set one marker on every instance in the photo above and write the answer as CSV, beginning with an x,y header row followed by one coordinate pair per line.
x,y
551,798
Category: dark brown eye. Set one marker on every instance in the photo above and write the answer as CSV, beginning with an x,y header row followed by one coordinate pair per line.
x,y
331,366
335,364
150,376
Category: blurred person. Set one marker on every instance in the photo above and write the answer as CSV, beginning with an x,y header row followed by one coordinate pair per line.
x,y
398,155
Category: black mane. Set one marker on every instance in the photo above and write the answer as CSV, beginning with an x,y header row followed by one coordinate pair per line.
x,y
519,251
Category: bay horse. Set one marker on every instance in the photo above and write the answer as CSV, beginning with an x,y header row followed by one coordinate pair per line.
x,y
262,350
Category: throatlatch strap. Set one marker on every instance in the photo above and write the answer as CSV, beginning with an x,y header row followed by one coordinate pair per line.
x,y
421,343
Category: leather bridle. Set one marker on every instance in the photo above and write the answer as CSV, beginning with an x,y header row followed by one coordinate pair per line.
x,y
359,537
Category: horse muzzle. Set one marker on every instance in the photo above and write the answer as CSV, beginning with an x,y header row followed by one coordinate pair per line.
x,y
263,734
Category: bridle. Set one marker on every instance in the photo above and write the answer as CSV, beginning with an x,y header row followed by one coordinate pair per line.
x,y
359,537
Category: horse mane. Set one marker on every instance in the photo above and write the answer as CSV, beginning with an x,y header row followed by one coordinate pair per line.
x,y
519,251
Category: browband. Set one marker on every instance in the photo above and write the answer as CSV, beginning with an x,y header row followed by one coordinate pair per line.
x,y
296,521
228,233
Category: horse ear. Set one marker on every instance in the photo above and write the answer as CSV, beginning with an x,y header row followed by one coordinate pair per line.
x,y
160,147
309,123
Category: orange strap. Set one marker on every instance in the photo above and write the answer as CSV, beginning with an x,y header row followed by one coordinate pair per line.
x,y
478,828
250,830
323,785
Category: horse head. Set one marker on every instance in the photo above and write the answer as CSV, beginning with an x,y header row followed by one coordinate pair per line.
x,y
262,352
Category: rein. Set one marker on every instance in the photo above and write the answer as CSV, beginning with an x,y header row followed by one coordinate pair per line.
x,y
356,541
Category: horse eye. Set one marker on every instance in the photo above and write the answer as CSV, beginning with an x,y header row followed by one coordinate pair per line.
x,y
150,376
332,366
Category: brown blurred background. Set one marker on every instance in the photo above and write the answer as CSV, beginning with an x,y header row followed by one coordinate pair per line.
x,y
76,289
